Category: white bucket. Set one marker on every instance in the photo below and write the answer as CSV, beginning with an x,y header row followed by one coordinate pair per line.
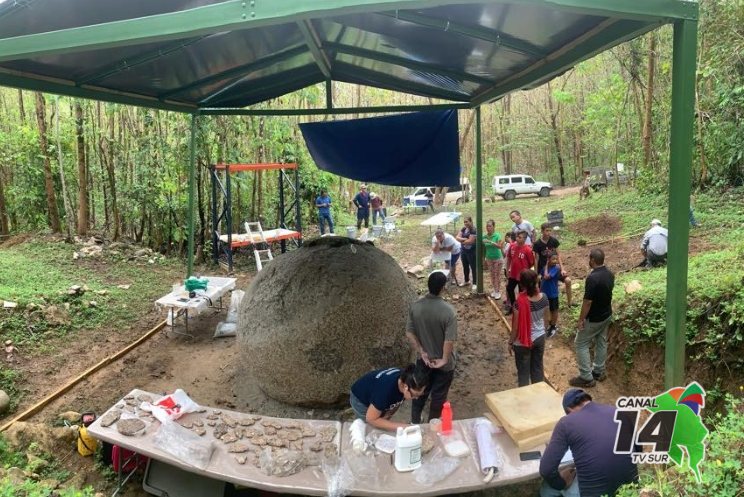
x,y
351,231
408,448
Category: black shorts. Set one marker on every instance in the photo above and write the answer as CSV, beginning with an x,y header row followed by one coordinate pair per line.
x,y
553,304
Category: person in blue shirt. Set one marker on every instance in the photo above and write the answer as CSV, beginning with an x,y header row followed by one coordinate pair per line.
x,y
323,203
361,201
550,277
377,395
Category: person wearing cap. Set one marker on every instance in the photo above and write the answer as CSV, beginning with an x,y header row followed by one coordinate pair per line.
x,y
377,209
361,201
589,431
431,331
323,203
585,186
654,245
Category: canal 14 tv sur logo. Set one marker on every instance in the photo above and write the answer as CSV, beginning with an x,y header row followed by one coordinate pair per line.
x,y
673,430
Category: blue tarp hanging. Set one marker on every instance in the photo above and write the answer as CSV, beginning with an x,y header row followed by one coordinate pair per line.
x,y
419,148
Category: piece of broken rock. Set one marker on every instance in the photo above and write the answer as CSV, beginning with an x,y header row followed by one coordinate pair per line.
x,y
130,427
239,447
110,417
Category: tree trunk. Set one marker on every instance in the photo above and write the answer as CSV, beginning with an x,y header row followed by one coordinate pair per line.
x,y
69,217
556,134
21,109
647,123
112,177
82,225
504,120
4,229
48,179
98,131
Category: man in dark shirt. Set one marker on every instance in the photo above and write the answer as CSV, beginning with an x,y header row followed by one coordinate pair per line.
x,y
594,322
544,247
589,431
361,201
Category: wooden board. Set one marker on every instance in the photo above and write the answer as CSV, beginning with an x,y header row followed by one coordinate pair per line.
x,y
527,412
533,442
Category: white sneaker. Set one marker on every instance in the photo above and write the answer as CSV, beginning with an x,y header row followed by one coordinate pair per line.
x,y
493,295
496,295
474,288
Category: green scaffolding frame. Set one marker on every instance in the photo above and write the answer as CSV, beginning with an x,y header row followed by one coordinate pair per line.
x,y
190,25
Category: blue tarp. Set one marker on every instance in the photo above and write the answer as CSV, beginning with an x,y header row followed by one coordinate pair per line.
x,y
419,148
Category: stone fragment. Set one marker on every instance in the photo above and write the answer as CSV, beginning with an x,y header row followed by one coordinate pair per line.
x,y
130,427
110,417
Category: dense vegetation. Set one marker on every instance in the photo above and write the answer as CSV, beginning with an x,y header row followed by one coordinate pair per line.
x,y
121,171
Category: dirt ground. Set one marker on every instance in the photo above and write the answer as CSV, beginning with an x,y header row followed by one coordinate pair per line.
x,y
208,368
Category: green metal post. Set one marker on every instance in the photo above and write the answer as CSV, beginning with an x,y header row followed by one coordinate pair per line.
x,y
680,158
479,200
190,217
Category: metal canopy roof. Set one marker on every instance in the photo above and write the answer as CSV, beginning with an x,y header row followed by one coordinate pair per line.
x,y
187,55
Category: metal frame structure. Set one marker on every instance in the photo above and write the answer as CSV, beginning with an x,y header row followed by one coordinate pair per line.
x,y
225,214
39,59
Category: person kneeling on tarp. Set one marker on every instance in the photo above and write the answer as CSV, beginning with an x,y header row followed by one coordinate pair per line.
x,y
377,395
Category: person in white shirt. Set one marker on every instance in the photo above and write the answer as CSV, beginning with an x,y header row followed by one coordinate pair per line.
x,y
522,225
654,245
442,244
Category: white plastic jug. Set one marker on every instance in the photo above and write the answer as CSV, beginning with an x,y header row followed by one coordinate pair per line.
x,y
408,448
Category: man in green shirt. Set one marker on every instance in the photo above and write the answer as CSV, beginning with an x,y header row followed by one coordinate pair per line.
x,y
431,331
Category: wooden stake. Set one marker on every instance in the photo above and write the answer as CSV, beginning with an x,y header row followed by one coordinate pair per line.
x,y
108,360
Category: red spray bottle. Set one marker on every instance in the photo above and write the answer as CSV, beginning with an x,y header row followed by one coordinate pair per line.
x,y
447,418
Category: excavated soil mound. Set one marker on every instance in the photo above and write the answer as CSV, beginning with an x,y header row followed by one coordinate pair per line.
x,y
594,228
315,319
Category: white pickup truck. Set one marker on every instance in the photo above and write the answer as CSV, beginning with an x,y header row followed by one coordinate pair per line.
x,y
518,184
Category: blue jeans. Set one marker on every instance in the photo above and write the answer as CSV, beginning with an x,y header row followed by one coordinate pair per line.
x,y
453,266
378,212
360,410
321,224
571,491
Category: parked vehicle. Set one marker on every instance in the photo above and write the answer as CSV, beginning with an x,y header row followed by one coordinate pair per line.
x,y
510,186
600,178
422,194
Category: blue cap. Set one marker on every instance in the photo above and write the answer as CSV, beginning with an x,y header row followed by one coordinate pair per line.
x,y
571,397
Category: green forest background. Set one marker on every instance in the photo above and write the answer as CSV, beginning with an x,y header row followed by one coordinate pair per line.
x,y
78,166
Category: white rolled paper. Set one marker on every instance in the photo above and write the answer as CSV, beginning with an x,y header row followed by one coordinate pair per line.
x,y
488,452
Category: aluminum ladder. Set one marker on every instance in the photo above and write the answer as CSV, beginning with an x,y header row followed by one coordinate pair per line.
x,y
258,253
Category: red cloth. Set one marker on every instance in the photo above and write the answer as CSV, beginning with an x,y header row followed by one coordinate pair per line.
x,y
524,323
521,258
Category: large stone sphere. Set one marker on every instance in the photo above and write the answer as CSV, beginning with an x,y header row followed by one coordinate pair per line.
x,y
317,318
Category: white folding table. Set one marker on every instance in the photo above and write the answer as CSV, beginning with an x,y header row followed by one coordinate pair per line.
x,y
442,219
179,303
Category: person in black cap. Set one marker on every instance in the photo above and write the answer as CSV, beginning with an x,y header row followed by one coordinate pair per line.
x,y
588,429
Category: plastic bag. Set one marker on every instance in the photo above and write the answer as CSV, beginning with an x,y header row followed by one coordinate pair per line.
x,y
363,468
225,329
281,463
184,444
339,478
171,407
437,466
232,312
